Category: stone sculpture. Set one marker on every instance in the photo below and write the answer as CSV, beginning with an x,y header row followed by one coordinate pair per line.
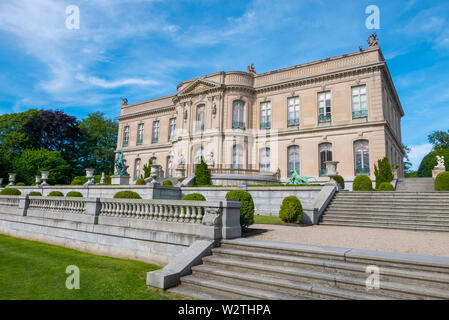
x,y
297,179
120,165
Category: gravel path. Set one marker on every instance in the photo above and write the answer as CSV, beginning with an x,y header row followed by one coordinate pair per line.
x,y
406,241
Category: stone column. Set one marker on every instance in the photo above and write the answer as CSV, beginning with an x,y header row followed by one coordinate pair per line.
x,y
24,203
231,219
92,208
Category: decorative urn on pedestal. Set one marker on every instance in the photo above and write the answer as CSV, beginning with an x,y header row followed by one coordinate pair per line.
x,y
37,180
12,179
90,176
44,177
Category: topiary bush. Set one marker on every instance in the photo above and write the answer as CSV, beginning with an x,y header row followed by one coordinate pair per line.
x,y
55,194
74,194
383,171
430,161
442,181
35,194
362,183
140,182
194,197
386,186
339,180
10,192
78,181
127,195
247,208
291,210
20,184
167,183
202,173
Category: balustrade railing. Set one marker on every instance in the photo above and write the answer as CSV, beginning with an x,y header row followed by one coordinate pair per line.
x,y
9,201
65,204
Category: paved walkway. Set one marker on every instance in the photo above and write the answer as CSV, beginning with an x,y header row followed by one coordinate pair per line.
x,y
406,241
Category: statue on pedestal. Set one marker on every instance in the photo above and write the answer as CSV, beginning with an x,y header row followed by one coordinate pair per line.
x,y
120,165
440,162
297,179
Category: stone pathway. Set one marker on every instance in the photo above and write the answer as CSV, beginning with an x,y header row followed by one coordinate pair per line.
x,y
415,242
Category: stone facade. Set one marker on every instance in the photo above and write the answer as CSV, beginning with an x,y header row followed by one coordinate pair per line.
x,y
343,108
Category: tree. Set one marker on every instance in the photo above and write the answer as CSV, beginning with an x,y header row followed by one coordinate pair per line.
x,y
407,163
147,169
31,162
98,142
383,171
202,173
439,140
430,161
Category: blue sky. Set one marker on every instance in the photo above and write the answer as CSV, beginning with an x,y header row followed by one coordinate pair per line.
x,y
141,49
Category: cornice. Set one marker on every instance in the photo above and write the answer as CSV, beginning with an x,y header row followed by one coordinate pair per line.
x,y
144,113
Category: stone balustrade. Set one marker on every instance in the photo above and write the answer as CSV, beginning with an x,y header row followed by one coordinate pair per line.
x,y
9,201
73,205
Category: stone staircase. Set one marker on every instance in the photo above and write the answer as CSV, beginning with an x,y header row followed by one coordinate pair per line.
x,y
423,211
415,185
258,269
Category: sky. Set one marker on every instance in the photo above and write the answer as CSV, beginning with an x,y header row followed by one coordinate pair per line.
x,y
141,49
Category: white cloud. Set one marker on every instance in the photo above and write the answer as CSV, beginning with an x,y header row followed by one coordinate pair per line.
x,y
103,83
417,153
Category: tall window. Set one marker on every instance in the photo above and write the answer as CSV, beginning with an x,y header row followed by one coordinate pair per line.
x,y
200,118
126,136
140,134
359,107
172,129
293,159
265,115
324,107
361,157
199,153
264,161
325,151
237,115
170,166
237,157
136,169
155,137
293,112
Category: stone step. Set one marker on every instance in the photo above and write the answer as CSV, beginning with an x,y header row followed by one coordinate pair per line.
x,y
193,292
405,223
384,226
392,218
392,194
395,212
392,203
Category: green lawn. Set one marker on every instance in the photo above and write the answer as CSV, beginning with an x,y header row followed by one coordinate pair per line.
x,y
34,270
267,220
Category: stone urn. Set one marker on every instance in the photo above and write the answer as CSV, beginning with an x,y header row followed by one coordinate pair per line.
x,y
155,171
37,180
180,172
44,177
12,179
331,168
90,176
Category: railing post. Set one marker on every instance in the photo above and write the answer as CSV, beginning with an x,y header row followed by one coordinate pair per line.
x,y
24,203
92,208
231,219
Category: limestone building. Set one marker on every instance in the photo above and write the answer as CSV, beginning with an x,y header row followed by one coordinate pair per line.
x,y
343,108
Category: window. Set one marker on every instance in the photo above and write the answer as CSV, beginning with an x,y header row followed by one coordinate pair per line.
x,y
136,169
325,151
200,118
265,115
264,161
324,107
169,166
140,134
237,157
293,112
155,137
237,115
199,153
172,129
293,159
126,136
361,157
359,107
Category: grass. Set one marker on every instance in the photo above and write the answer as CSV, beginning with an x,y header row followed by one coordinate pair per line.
x,y
34,270
258,219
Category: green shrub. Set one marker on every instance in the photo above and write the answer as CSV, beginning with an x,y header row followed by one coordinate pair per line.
x,y
140,182
35,194
127,195
386,186
442,181
383,171
167,183
55,194
339,180
20,184
247,208
79,181
291,210
362,183
202,173
430,161
147,169
194,197
74,194
10,192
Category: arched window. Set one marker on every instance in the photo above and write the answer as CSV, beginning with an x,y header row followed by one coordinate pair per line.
x,y
237,157
293,159
200,118
126,136
199,153
325,153
137,169
264,161
361,157
170,166
237,115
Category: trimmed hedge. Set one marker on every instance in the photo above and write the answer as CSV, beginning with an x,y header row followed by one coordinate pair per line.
x,y
74,194
127,195
10,192
140,182
202,173
194,197
55,194
167,183
35,193
386,186
291,210
20,184
362,183
247,208
442,181
340,180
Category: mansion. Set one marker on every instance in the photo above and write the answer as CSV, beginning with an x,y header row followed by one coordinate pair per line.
x,y
343,108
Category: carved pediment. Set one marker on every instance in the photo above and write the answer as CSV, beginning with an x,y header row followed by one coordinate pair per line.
x,y
198,86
